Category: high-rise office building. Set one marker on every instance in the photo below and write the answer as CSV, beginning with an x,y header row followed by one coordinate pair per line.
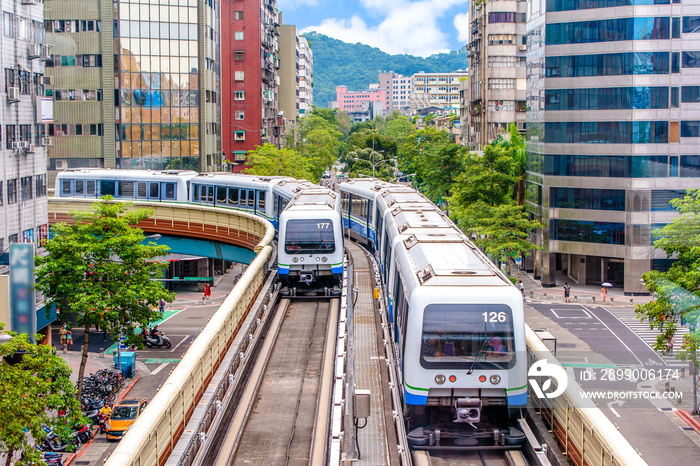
x,y
136,84
24,111
612,132
495,91
249,71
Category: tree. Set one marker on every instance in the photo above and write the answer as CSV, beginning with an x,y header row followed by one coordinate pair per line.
x,y
36,386
678,289
371,163
268,160
99,270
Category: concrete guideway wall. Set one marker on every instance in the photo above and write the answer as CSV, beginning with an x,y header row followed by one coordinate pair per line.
x,y
583,432
197,221
152,437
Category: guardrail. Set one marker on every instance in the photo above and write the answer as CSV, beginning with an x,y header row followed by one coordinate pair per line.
x,y
202,222
583,432
155,433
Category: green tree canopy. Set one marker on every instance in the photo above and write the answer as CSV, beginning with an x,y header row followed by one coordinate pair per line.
x,y
36,386
99,270
370,163
678,289
267,160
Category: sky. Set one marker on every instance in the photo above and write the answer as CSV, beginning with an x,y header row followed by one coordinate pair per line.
x,y
415,27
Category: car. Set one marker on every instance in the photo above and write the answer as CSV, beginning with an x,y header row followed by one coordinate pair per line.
x,y
123,416
340,175
326,174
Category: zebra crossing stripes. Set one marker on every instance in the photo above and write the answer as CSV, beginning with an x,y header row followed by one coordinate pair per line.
x,y
628,317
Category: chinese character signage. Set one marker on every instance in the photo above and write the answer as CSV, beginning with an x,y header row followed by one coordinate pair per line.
x,y
22,309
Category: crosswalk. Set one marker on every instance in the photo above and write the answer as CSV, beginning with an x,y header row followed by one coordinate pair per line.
x,y
628,317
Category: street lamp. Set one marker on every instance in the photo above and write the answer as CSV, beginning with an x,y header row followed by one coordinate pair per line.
x,y
374,163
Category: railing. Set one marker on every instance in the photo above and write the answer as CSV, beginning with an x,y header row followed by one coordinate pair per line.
x,y
583,432
202,222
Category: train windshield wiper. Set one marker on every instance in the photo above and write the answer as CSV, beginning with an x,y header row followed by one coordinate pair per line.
x,y
478,355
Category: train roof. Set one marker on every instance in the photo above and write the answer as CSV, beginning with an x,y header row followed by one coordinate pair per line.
x,y
314,197
123,172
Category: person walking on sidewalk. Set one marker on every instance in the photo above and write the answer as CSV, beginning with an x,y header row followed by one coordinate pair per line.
x,y
603,293
69,338
567,292
62,334
521,287
207,292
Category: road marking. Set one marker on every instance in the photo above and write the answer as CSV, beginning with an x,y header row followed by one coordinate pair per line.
x,y
616,402
160,360
159,368
584,310
181,342
618,338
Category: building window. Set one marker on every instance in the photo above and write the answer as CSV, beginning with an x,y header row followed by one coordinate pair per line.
x,y
11,191
238,35
1,195
25,133
40,190
238,55
238,75
10,131
239,95
239,135
240,115
237,15
26,183
8,20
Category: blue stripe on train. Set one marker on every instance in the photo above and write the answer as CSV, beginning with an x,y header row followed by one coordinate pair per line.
x,y
515,400
338,269
412,399
282,270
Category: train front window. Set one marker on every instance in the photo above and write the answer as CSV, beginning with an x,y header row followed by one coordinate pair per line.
x,y
467,336
309,236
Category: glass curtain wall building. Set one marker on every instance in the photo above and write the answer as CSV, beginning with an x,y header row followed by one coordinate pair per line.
x,y
612,128
136,83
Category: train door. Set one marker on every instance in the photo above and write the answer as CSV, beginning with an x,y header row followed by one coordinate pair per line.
x,y
167,191
141,190
107,188
251,200
261,202
233,197
154,191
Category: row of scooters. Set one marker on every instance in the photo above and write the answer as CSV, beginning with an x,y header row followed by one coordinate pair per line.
x,y
53,443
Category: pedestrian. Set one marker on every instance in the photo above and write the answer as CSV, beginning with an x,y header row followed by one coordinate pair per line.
x,y
62,334
669,344
604,292
567,292
69,338
521,287
207,291
161,305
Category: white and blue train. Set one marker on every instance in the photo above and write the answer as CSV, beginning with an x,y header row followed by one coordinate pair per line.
x,y
456,321
316,265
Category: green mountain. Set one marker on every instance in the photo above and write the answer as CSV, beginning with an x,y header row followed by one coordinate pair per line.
x,y
357,65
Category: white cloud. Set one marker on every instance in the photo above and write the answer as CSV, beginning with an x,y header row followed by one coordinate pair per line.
x,y
461,22
406,27
292,4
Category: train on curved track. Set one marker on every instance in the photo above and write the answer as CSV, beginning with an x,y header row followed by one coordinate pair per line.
x,y
306,216
456,321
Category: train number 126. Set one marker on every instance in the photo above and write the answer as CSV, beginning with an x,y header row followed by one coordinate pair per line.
x,y
494,316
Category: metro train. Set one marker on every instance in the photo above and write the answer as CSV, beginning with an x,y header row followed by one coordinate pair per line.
x,y
312,265
456,321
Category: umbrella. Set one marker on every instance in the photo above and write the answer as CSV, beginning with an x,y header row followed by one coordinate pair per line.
x,y
606,284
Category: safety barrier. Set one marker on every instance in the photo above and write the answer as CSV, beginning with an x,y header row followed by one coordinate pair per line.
x,y
202,222
152,437
583,432
155,433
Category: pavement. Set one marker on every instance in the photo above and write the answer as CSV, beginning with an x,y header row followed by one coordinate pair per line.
x,y
184,318
606,349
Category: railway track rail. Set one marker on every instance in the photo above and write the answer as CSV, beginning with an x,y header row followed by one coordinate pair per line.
x,y
268,420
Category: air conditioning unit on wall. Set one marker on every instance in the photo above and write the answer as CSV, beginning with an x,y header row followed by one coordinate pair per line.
x,y
61,164
47,142
13,94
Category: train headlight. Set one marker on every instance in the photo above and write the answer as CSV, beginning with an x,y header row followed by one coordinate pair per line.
x,y
318,259
324,259
453,378
482,378
439,379
296,259
301,259
495,379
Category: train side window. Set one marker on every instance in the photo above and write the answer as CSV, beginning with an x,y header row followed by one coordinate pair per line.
x,y
107,188
125,188
251,198
141,191
170,190
233,196
261,199
244,197
385,248
370,206
79,187
195,192
91,188
154,191
65,186
221,194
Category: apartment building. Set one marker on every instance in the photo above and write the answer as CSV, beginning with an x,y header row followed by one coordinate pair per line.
x,y
24,112
613,129
295,97
398,96
439,90
136,85
249,70
351,101
305,76
495,92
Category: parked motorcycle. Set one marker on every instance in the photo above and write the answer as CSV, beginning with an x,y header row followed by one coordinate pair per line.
x,y
53,442
158,341
53,459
